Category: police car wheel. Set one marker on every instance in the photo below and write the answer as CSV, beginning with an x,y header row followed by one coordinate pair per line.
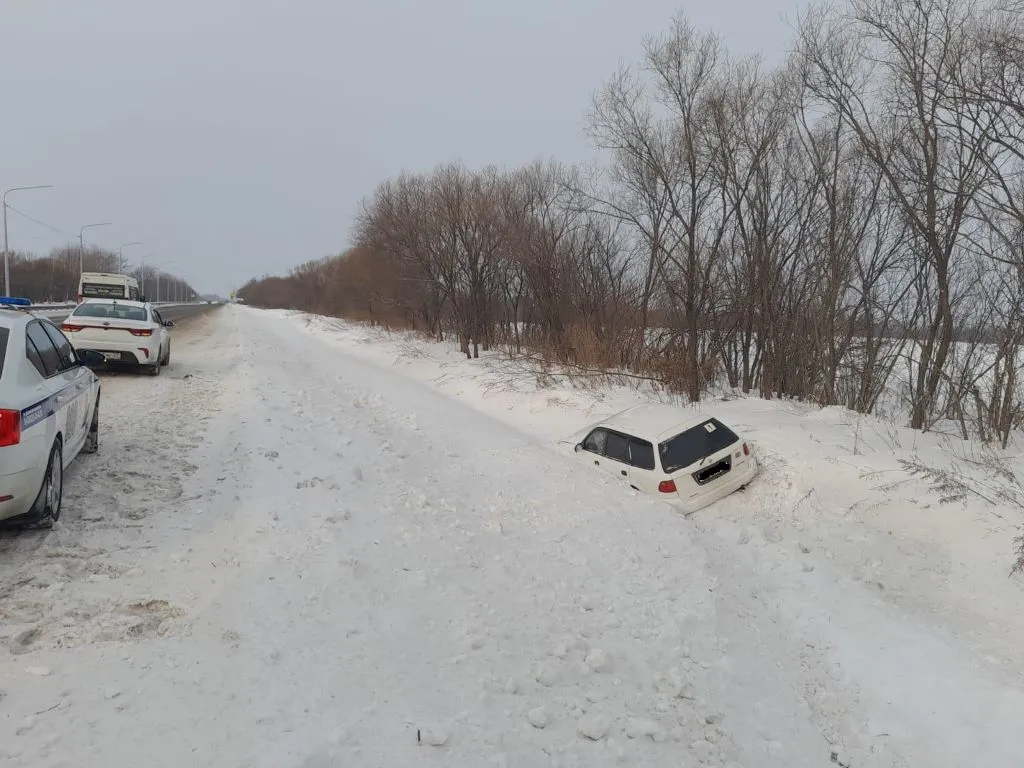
x,y
51,495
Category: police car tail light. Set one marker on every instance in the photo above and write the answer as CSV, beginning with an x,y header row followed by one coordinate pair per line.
x,y
141,331
10,427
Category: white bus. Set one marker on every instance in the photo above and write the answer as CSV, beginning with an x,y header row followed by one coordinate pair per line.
x,y
102,285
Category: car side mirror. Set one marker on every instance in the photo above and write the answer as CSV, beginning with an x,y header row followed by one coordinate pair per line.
x,y
90,357
168,323
579,447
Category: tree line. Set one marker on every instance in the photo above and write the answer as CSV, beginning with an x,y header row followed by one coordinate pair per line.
x,y
54,278
843,228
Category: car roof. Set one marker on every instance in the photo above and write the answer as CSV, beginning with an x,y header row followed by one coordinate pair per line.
x,y
12,317
655,421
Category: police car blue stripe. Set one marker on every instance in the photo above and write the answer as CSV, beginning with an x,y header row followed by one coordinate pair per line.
x,y
45,408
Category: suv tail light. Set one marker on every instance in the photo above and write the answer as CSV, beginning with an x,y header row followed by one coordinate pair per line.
x,y
141,331
10,427
667,486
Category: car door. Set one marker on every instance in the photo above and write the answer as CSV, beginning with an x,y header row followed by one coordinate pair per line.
x,y
642,474
609,451
75,396
41,352
160,329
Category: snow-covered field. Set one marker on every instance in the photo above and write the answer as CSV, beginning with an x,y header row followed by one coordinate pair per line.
x,y
328,547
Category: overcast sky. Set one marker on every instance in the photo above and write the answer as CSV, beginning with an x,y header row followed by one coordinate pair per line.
x,y
236,137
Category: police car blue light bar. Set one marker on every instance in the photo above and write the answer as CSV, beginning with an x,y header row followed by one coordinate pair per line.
x,y
15,301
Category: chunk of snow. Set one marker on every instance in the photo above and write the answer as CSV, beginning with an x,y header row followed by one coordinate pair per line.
x,y
538,717
594,726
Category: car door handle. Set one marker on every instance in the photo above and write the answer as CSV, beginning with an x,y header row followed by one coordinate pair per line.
x,y
624,473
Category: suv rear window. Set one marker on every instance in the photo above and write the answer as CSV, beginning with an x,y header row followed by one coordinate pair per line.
x,y
694,444
4,335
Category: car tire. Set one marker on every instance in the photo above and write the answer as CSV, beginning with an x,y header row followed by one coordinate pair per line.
x,y
167,357
92,440
46,510
154,370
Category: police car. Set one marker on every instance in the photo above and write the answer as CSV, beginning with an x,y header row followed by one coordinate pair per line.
x,y
49,412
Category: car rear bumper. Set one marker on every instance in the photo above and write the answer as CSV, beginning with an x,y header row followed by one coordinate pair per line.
x,y
22,487
141,352
729,484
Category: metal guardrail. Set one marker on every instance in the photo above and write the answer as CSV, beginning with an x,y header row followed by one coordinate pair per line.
x,y
65,309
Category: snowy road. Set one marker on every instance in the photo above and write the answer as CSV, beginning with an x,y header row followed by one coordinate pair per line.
x,y
304,560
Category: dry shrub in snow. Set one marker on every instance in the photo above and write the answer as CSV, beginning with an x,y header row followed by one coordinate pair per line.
x,y
1018,566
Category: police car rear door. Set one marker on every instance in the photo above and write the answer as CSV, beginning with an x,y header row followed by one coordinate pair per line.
x,y
57,393
77,394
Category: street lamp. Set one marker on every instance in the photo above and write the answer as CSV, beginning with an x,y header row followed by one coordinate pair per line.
x,y
160,267
144,272
7,264
81,245
120,259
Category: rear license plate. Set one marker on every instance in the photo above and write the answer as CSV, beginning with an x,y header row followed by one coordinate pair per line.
x,y
112,355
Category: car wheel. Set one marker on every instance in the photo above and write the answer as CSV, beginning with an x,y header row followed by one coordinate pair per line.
x,y
167,357
154,370
46,510
92,440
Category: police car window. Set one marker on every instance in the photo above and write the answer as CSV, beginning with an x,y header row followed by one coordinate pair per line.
x,y
4,334
48,362
64,348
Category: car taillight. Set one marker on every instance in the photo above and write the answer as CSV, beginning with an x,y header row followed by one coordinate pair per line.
x,y
10,427
746,449
71,328
667,486
141,332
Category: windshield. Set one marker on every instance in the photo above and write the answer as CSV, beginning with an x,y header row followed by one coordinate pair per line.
x,y
115,311
694,444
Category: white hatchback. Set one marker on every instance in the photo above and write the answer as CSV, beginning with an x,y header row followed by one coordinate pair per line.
x,y
127,332
686,460
49,413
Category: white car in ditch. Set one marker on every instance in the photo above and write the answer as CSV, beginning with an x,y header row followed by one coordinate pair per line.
x,y
686,460
49,413
124,332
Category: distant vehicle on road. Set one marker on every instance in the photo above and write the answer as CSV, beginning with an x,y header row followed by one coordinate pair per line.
x,y
124,332
105,285
49,413
685,460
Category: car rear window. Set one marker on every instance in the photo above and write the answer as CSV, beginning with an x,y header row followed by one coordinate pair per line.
x,y
694,444
115,311
4,335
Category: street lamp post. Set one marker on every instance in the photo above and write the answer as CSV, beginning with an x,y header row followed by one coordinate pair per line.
x,y
81,245
120,258
159,267
145,272
7,262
